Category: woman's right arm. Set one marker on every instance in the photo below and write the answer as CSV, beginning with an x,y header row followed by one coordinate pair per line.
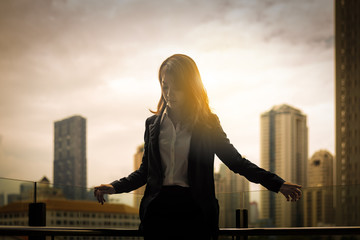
x,y
99,192
127,184
135,180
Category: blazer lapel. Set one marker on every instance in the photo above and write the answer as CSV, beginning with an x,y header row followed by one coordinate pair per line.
x,y
154,131
154,127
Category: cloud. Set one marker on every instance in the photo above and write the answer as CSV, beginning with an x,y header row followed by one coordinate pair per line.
x,y
100,59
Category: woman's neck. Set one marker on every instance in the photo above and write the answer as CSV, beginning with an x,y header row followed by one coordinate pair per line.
x,y
175,115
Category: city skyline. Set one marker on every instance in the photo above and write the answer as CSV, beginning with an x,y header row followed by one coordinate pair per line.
x,y
53,67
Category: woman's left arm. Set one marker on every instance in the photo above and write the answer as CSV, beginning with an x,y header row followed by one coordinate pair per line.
x,y
235,162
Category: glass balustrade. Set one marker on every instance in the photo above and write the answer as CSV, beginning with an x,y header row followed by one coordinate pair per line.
x,y
69,206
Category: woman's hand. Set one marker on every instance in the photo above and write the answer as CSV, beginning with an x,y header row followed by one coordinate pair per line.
x,y
99,192
291,191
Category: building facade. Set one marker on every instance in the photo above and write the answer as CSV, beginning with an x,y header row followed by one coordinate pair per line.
x,y
284,151
347,85
70,170
232,191
70,213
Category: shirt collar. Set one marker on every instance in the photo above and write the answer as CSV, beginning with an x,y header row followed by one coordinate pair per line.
x,y
165,114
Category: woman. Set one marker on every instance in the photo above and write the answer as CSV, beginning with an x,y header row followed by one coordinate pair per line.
x,y
181,139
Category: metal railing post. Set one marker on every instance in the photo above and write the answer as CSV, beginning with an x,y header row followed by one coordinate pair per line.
x,y
241,221
37,214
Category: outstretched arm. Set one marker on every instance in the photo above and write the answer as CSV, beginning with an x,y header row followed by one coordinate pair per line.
x,y
230,156
291,191
135,180
235,162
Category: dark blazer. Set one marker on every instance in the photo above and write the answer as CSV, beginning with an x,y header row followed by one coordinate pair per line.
x,y
206,141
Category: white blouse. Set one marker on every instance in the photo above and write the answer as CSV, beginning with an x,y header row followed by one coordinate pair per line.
x,y
174,144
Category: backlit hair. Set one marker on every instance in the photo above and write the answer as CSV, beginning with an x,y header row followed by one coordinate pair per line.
x,y
187,77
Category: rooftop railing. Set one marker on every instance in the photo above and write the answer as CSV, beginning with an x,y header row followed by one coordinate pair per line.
x,y
326,210
41,232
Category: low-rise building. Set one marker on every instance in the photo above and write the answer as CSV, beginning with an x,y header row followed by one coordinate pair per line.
x,y
65,213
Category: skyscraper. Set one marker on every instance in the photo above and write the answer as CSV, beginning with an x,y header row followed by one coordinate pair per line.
x,y
284,151
70,157
320,169
347,85
318,197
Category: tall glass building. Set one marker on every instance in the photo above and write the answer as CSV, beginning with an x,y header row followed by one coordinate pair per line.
x,y
347,90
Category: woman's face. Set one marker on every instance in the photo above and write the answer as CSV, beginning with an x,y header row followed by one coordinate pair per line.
x,y
174,96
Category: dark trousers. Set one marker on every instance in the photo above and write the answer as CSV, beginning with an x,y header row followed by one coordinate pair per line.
x,y
173,214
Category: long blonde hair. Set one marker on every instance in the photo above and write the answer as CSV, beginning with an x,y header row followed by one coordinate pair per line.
x,y
186,75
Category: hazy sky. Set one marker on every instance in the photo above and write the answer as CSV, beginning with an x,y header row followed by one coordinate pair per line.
x,y
99,59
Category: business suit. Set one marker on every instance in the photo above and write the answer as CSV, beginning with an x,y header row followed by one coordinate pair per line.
x,y
206,141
